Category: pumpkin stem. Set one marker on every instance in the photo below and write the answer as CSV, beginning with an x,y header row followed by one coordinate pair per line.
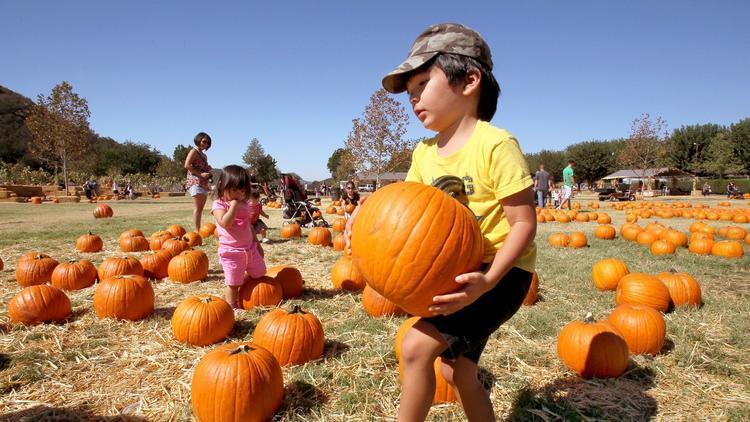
x,y
589,318
244,348
296,309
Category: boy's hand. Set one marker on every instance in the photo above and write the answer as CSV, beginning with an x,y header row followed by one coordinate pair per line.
x,y
475,285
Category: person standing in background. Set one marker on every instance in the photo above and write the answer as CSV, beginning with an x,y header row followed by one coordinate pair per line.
x,y
542,185
569,182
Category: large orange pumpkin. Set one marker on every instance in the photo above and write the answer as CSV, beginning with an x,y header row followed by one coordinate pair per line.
x,y
74,275
593,349
378,306
642,327
192,239
728,249
202,320
190,265
263,291
411,240
157,239
174,246
608,272
578,240
290,279
293,337
129,297
678,238
605,232
176,230
346,276
89,243
684,290
558,240
34,268
701,246
121,265
663,247
37,304
237,382
133,244
207,229
642,289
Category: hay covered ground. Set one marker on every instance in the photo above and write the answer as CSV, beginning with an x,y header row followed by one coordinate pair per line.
x,y
91,369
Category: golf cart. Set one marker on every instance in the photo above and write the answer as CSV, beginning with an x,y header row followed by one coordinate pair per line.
x,y
623,193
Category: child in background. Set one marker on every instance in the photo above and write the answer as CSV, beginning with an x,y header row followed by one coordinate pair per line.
x,y
239,250
556,197
256,211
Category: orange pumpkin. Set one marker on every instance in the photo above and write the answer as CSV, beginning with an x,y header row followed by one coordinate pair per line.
x,y
630,231
131,233
192,239
604,219
346,276
237,382
642,289
293,337
128,297
190,265
319,236
678,238
103,211
263,291
558,240
34,268
155,264
291,230
728,249
290,279
339,243
431,238
607,273
646,238
202,320
133,244
207,230
157,240
642,327
174,246
605,232
578,240
122,265
532,294
663,247
593,349
89,243
684,290
37,304
339,225
176,230
74,275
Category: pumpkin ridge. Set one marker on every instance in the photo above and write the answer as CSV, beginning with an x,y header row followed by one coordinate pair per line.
x,y
432,260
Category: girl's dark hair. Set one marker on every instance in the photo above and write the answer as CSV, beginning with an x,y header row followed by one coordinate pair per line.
x,y
456,67
350,183
255,193
201,136
232,177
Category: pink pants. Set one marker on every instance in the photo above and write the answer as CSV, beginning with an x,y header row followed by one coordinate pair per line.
x,y
236,263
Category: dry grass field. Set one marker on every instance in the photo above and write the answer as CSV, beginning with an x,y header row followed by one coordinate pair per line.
x,y
91,369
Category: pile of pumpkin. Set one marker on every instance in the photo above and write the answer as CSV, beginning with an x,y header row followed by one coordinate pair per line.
x,y
545,215
662,240
320,236
601,349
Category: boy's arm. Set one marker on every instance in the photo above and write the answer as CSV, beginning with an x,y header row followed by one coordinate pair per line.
x,y
225,218
519,209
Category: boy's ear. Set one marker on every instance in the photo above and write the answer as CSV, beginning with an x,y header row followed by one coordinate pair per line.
x,y
472,81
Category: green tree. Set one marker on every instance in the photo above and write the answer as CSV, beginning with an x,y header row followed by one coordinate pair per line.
x,y
721,157
14,134
180,153
59,127
257,160
132,158
739,133
686,147
594,159
335,160
376,137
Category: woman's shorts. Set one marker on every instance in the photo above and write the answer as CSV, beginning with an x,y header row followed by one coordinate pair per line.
x,y
468,330
197,190
237,263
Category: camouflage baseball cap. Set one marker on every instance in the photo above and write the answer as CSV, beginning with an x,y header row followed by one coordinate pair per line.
x,y
440,38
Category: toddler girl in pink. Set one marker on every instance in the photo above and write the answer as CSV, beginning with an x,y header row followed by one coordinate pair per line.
x,y
239,250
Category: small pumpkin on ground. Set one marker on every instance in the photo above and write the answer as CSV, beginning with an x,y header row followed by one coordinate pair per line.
x,y
607,273
642,289
190,265
289,231
176,230
237,382
207,230
346,276
155,264
103,211
558,240
89,243
593,348
684,290
319,236
578,240
133,243
293,337
663,247
119,265
642,327
605,232
192,239
728,249
202,320
34,268
37,304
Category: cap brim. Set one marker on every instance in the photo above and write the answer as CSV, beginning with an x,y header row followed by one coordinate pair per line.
x,y
395,82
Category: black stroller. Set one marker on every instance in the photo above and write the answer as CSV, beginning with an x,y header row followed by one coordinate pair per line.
x,y
296,207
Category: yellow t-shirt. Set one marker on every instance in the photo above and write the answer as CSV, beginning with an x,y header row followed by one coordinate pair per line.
x,y
492,167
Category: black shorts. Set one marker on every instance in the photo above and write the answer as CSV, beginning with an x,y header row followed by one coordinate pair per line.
x,y
468,330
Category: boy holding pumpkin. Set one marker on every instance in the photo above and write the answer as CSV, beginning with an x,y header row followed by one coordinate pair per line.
x,y
448,78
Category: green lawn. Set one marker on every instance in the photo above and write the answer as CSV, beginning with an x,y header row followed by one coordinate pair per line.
x,y
89,368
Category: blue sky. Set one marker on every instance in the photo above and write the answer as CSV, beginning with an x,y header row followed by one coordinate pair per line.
x,y
294,74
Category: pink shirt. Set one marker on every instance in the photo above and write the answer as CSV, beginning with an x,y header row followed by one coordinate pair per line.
x,y
240,235
255,210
